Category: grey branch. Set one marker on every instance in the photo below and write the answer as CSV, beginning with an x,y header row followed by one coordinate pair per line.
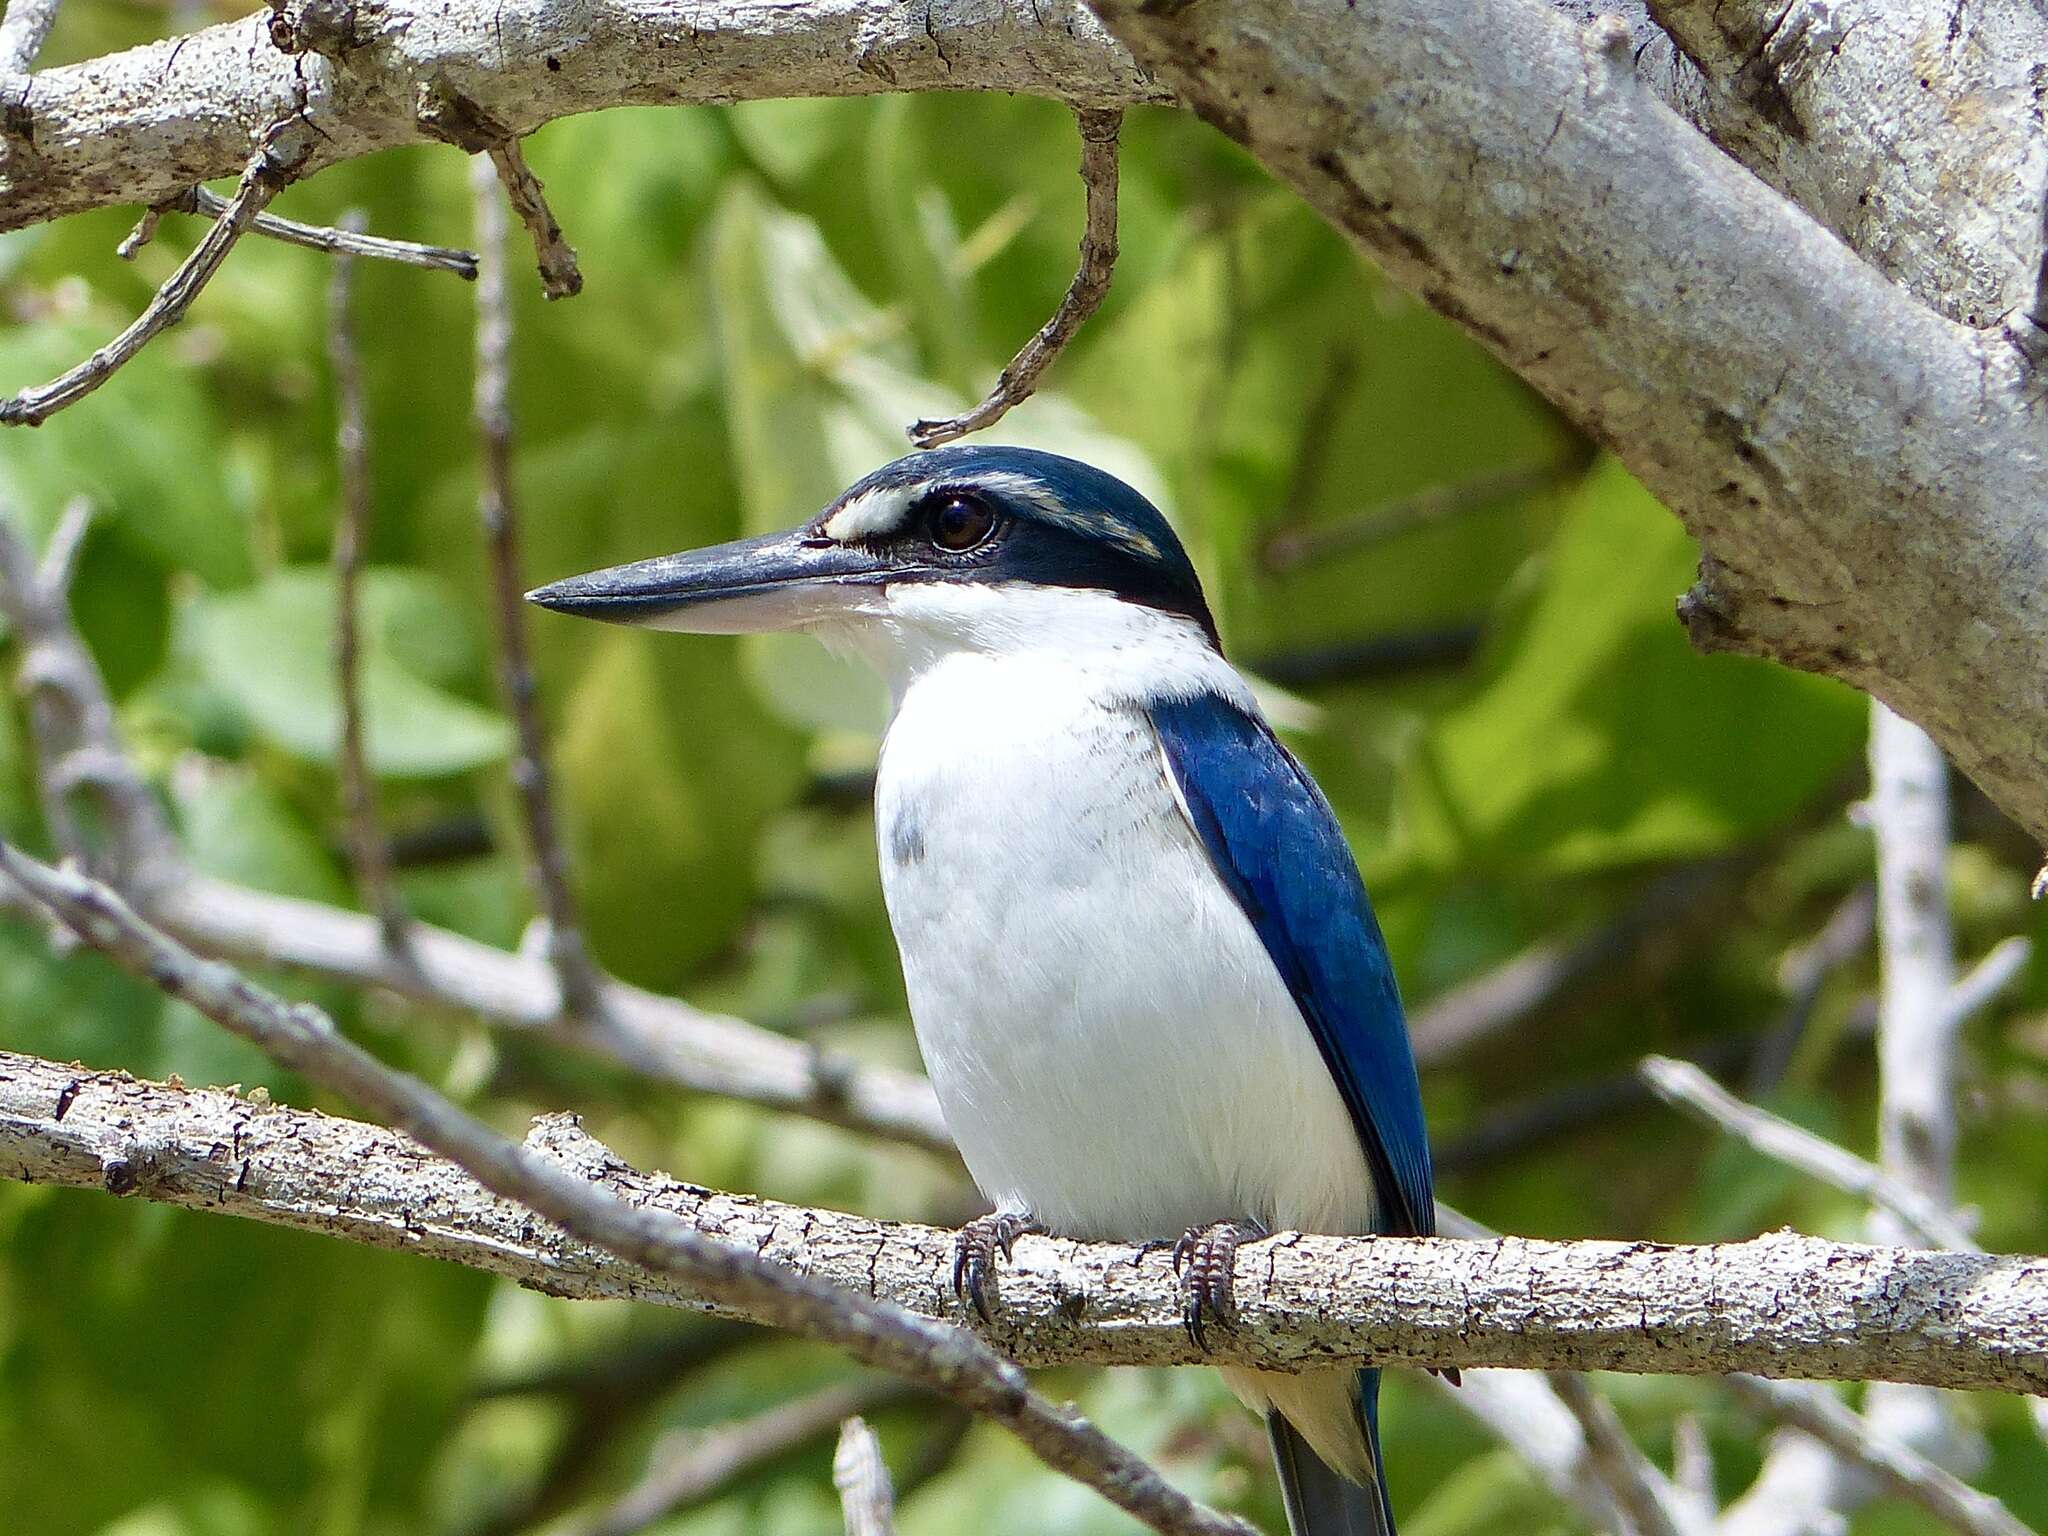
x,y
314,237
662,1244
1745,360
1299,544
22,33
579,985
661,1038
1962,1320
1014,385
866,1500
687,1467
77,746
1905,1472
1685,1085
276,162
1642,1494
368,854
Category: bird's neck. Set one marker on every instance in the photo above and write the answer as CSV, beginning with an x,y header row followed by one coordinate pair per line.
x,y
1114,651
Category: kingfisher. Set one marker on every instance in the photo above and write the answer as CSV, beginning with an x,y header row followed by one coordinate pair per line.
x,y
1144,974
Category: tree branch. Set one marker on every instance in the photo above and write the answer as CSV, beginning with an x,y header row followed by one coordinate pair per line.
x,y
314,237
578,984
1964,1320
1015,384
862,1478
945,1360
277,162
1902,1470
1743,361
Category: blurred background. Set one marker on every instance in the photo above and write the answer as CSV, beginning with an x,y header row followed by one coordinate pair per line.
x,y
1585,842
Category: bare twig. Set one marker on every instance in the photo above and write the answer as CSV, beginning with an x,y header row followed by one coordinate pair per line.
x,y
1862,1313
547,866
270,170
314,237
1373,659
367,850
947,1360
1014,385
1296,545
560,277
77,747
1685,1085
687,1467
862,1478
1904,1471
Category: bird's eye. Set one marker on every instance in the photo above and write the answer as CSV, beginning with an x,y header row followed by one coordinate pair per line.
x,y
959,522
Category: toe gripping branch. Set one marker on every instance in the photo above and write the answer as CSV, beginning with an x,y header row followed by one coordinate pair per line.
x,y
974,1257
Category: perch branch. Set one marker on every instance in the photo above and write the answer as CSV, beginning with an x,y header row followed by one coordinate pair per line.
x,y
1954,1319
1014,385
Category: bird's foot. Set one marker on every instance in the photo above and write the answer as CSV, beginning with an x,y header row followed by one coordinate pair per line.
x,y
974,1256
1205,1258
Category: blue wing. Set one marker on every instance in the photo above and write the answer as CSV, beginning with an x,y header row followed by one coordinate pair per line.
x,y
1277,847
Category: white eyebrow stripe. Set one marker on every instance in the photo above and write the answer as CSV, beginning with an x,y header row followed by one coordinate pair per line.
x,y
871,515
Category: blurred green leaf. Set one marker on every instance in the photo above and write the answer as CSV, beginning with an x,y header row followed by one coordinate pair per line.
x,y
270,648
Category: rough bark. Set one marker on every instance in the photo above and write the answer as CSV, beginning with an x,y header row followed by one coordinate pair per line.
x,y
143,125
1861,472
1781,1305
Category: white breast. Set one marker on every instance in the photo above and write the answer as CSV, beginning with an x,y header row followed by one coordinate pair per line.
x,y
1112,1048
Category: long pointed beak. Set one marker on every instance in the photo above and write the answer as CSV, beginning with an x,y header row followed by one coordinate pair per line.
x,y
780,581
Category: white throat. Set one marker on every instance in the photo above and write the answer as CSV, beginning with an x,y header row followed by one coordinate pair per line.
x,y
1119,652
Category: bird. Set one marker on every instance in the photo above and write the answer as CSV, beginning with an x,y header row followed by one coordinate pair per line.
x,y
1143,971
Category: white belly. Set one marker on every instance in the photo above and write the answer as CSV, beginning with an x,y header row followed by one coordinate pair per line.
x,y
1113,1050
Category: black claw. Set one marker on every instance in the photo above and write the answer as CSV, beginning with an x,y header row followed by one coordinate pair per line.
x,y
974,1257
1205,1258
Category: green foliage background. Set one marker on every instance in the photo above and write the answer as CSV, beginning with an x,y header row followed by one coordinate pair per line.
x,y
773,292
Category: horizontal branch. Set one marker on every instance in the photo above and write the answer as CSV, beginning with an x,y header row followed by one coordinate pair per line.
x,y
662,1038
141,126
1782,1305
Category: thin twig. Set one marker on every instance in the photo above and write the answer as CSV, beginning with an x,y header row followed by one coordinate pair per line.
x,y
1818,1412
1682,1084
548,866
1014,385
368,853
314,237
946,1360
270,170
1294,546
687,1467
560,277
867,1502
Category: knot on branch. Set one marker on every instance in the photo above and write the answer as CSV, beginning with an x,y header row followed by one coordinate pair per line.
x,y
330,28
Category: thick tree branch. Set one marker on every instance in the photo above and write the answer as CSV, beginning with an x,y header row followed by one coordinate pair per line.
x,y
1963,1320
141,126
1516,172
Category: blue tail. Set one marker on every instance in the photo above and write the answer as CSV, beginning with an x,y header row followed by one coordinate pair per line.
x,y
1323,1502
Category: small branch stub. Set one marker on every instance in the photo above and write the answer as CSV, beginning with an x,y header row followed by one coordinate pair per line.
x,y
1099,150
